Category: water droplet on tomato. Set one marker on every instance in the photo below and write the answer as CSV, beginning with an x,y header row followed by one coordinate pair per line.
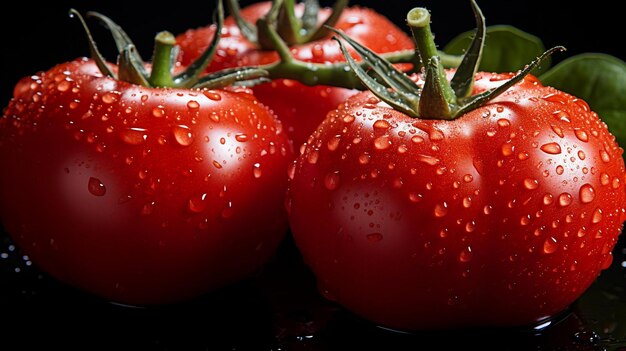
x,y
548,199
565,199
467,201
109,98
581,135
416,139
581,155
466,255
557,130
550,245
556,98
604,156
531,184
382,143
429,160
587,193
228,211
382,124
158,112
441,210
562,116
508,149
197,203
605,179
470,226
242,138
312,157
133,136
193,104
551,148
415,197
96,187
317,51
182,135
560,170
148,208
212,95
616,183
374,237
597,216
331,181
256,170
524,220
217,165
333,142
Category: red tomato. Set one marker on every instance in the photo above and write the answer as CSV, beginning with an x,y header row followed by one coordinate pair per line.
x,y
141,195
502,217
300,108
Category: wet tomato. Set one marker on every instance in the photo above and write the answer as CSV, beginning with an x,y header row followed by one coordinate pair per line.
x,y
300,108
140,195
501,217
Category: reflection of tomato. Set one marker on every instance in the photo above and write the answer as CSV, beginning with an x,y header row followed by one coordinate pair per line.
x,y
300,108
504,216
140,195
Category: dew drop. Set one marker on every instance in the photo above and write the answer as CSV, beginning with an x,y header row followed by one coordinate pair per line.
x,y
587,193
331,181
193,104
374,237
197,203
559,170
212,95
256,170
581,155
562,116
312,157
551,148
415,197
441,210
148,208
548,199
242,138
465,255
382,143
333,143
550,245
217,164
467,201
96,187
487,209
182,135
605,179
436,135
133,136
508,149
416,139
616,182
470,226
109,98
228,211
503,123
531,184
556,98
64,86
597,216
158,112
565,200
581,135
468,178
604,156
382,124
429,160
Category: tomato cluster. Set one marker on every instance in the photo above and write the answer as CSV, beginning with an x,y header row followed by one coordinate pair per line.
x,y
421,209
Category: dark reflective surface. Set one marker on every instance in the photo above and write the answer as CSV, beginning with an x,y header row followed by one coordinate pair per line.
x,y
278,309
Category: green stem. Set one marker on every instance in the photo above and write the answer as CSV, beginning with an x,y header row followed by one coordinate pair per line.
x,y
418,20
161,76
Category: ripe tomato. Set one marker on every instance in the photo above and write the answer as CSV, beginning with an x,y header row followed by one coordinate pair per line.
x,y
140,195
502,217
299,107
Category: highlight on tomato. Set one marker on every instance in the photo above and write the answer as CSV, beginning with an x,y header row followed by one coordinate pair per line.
x,y
138,184
456,198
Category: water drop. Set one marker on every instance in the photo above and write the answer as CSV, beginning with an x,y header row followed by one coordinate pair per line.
x,y
565,199
466,255
562,116
550,245
382,124
560,170
197,203
441,210
581,155
597,216
96,187
382,143
217,165
604,156
503,123
193,104
312,157
416,139
556,98
605,179
148,208
331,181
468,178
507,149
587,193
374,237
531,184
242,138
228,211
581,135
616,182
551,148
133,136
435,135
470,226
317,51
333,143
158,112
256,170
109,98
467,201
212,95
487,209
548,199
429,160
182,135
415,197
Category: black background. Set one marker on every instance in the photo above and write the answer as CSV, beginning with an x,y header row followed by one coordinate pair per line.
x,y
37,36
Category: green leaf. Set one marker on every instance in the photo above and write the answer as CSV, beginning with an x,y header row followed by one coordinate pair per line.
x,y
600,80
507,49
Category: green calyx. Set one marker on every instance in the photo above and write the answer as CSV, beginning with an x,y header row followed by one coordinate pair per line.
x,y
438,98
283,19
131,67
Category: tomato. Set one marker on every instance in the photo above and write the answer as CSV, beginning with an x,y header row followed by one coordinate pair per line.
x,y
300,108
501,217
141,195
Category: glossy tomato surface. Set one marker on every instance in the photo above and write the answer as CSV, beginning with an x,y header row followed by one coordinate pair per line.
x,y
301,108
140,195
502,217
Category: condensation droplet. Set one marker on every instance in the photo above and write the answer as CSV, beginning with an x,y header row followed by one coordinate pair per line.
x,y
197,203
333,143
557,130
382,143
467,201
465,255
430,160
331,181
559,170
441,210
605,179
565,199
193,104
508,149
158,112
470,226
182,135
415,197
109,98
551,148
256,170
550,245
581,135
96,187
148,208
382,124
548,199
212,95
133,136
597,216
531,184
581,155
604,156
587,193
242,138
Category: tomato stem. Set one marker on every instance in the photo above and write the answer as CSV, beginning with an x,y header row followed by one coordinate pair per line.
x,y
161,75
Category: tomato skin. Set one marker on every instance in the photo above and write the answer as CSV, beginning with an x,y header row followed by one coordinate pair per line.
x,y
503,217
300,108
141,195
